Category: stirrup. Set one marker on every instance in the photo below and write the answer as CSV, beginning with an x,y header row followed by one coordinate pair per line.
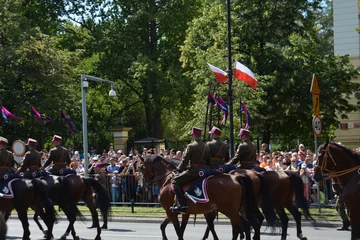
x,y
179,209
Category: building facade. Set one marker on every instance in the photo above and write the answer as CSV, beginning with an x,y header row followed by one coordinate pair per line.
x,y
347,41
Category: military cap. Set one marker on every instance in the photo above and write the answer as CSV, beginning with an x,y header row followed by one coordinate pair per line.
x,y
31,142
245,132
3,141
56,138
196,131
216,131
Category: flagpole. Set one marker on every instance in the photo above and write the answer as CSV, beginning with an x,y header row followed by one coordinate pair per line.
x,y
218,109
230,73
241,110
206,116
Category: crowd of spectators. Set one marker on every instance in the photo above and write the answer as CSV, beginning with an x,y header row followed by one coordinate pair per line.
x,y
117,172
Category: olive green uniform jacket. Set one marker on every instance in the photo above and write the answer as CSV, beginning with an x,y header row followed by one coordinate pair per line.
x,y
7,162
60,158
32,162
245,156
197,156
219,152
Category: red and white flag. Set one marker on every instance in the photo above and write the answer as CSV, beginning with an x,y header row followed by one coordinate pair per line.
x,y
221,75
243,73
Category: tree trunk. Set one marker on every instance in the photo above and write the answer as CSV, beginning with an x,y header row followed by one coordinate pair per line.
x,y
266,134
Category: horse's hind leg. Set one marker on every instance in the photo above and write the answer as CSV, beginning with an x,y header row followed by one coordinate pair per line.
x,y
90,203
284,222
297,217
22,214
210,217
257,224
36,220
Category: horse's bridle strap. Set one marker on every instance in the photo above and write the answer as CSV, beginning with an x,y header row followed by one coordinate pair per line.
x,y
334,174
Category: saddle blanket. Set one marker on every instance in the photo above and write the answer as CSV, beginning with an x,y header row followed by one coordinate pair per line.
x,y
38,174
6,190
197,191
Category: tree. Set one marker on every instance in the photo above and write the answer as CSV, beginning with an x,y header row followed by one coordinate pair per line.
x,y
283,42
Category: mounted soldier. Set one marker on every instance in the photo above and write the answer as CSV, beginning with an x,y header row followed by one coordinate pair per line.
x,y
219,150
58,156
7,162
197,155
32,160
245,155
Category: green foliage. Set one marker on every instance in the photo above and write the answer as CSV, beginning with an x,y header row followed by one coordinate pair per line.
x,y
284,43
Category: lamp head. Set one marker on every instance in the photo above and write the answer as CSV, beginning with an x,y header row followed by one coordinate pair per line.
x,y
85,84
112,93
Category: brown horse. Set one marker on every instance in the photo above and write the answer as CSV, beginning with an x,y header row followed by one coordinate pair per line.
x,y
66,192
29,194
3,227
227,194
337,161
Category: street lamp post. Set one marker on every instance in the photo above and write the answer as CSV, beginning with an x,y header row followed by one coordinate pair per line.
x,y
84,85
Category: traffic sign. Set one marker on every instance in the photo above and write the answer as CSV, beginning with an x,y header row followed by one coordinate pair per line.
x,y
316,104
315,90
317,126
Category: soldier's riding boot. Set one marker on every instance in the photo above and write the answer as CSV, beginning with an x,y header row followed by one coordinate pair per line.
x,y
181,208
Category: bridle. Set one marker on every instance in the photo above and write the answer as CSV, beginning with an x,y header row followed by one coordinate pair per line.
x,y
154,179
331,173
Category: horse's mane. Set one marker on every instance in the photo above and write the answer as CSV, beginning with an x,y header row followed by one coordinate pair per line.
x,y
154,157
355,155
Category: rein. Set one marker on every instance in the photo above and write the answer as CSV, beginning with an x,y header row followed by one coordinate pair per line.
x,y
161,176
331,173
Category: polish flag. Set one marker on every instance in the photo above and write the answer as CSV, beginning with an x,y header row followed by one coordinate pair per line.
x,y
221,75
243,73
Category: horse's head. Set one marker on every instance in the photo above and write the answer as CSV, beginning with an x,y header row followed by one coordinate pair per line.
x,y
317,169
155,167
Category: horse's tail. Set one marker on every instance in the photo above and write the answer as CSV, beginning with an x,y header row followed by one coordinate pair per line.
x,y
300,199
66,198
103,201
246,182
267,204
41,192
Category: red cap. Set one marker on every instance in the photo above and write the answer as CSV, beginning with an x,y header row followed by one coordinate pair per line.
x,y
31,142
3,141
216,131
244,132
56,138
196,131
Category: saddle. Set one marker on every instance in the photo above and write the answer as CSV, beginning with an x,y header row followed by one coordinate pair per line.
x,y
6,190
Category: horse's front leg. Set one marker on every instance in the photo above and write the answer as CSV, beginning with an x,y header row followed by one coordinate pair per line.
x,y
175,220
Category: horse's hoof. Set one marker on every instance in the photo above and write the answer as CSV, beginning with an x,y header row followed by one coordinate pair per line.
x,y
304,238
92,226
98,238
76,238
104,226
63,237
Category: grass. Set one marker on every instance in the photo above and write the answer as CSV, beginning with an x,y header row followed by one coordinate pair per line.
x,y
159,212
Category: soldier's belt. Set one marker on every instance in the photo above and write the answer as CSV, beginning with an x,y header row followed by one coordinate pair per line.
x,y
245,163
60,163
34,166
3,167
217,159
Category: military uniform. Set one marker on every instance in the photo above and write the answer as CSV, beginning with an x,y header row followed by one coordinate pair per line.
x,y
7,162
340,207
31,163
245,155
59,156
219,152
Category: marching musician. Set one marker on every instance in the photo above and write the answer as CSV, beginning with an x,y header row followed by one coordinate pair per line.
x,y
197,154
7,162
32,160
58,155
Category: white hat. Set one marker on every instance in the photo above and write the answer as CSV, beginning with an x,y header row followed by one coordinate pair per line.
x,y
95,158
76,152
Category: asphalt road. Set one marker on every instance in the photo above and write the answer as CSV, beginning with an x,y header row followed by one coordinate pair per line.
x,y
141,231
